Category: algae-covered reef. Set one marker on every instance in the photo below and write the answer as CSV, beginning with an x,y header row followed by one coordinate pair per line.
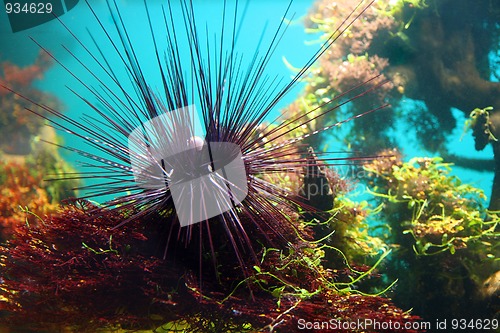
x,y
445,240
437,55
24,160
18,124
72,269
98,278
298,253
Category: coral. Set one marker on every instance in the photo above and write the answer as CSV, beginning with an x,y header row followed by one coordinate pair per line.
x,y
25,197
352,61
446,240
22,198
17,124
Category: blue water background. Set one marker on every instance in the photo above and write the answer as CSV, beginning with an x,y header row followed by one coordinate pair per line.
x,y
260,16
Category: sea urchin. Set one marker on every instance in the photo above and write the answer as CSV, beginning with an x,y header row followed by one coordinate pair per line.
x,y
191,155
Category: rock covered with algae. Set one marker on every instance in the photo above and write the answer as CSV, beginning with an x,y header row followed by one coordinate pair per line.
x,y
446,240
74,270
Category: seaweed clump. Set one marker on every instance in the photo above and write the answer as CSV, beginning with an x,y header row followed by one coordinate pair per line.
x,y
446,240
25,198
75,270
72,270
22,197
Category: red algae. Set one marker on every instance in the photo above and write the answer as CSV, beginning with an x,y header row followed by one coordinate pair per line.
x,y
75,270
72,270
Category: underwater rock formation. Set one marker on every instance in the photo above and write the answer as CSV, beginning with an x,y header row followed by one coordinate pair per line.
x,y
22,198
75,271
